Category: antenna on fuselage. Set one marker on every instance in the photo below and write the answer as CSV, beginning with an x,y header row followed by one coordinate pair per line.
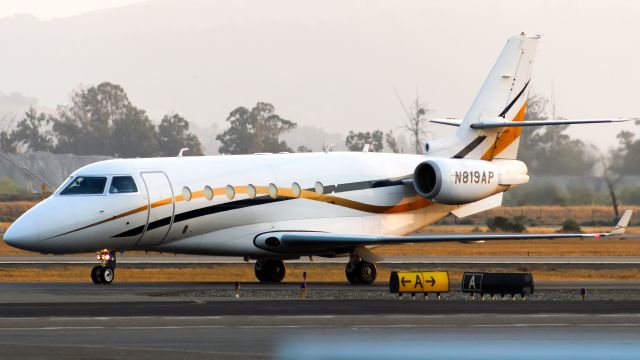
x,y
181,151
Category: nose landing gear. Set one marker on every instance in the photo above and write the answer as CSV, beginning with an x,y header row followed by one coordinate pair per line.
x,y
106,271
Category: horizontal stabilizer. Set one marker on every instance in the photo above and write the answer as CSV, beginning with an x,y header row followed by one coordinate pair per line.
x,y
450,122
500,124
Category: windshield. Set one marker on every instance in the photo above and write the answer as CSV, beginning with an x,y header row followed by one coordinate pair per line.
x,y
85,185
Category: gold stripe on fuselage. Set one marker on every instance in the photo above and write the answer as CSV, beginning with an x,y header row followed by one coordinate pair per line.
x,y
406,204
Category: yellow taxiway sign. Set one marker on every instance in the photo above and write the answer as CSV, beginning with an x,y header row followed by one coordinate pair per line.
x,y
419,282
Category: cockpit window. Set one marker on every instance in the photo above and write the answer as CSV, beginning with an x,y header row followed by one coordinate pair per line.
x,y
122,185
85,185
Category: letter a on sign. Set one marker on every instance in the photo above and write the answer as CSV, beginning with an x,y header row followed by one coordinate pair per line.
x,y
472,282
418,282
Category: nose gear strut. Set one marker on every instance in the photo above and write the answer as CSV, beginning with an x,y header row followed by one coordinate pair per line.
x,y
106,271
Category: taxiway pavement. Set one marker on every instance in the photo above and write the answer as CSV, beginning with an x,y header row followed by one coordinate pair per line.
x,y
160,321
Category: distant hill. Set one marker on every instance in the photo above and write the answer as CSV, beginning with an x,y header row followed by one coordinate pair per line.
x,y
12,106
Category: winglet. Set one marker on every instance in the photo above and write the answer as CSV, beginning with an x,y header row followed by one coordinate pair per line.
x,y
622,223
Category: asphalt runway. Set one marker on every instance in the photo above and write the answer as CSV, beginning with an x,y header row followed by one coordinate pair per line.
x,y
151,321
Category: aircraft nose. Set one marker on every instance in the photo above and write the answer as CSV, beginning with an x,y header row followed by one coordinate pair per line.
x,y
22,234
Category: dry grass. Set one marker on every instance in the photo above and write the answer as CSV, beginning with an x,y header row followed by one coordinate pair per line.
x,y
565,247
315,273
14,209
562,247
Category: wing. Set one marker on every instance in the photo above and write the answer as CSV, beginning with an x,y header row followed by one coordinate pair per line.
x,y
301,242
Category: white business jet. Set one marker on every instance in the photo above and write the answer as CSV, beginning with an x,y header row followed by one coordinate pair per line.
x,y
275,207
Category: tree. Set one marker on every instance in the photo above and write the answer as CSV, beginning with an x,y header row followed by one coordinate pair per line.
x,y
611,179
255,130
85,126
303,148
134,135
625,159
7,145
548,150
391,141
31,132
416,122
357,141
173,135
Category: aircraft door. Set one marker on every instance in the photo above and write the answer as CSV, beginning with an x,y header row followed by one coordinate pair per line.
x,y
161,208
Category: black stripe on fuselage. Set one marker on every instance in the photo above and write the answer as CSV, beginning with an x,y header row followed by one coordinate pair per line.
x,y
159,223
261,200
233,205
133,232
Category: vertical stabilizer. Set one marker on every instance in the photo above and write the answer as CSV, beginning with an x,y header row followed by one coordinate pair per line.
x,y
502,98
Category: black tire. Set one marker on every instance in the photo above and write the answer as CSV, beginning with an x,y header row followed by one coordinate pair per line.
x,y
352,272
96,274
270,270
367,272
277,271
107,275
260,269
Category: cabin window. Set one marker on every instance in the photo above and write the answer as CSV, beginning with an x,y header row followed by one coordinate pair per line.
x,y
296,189
85,185
208,192
231,192
273,191
123,185
251,191
186,193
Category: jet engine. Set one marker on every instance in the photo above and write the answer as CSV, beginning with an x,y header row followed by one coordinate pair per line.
x,y
462,181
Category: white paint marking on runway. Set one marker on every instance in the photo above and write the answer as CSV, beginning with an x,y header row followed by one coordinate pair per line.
x,y
315,326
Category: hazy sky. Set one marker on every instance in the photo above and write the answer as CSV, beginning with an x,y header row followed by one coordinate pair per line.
x,y
47,9
328,63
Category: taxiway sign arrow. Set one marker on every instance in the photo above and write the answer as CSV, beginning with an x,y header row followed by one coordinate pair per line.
x,y
405,282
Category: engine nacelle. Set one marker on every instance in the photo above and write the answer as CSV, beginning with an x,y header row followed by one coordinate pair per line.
x,y
462,181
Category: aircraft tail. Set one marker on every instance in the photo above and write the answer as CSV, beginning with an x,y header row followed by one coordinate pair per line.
x,y
502,99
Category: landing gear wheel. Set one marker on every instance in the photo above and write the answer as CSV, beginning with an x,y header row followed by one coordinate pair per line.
x,y
107,274
353,275
96,274
367,272
106,271
260,269
361,272
270,270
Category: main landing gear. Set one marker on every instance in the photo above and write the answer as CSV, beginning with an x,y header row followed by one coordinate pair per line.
x,y
270,270
359,271
106,271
